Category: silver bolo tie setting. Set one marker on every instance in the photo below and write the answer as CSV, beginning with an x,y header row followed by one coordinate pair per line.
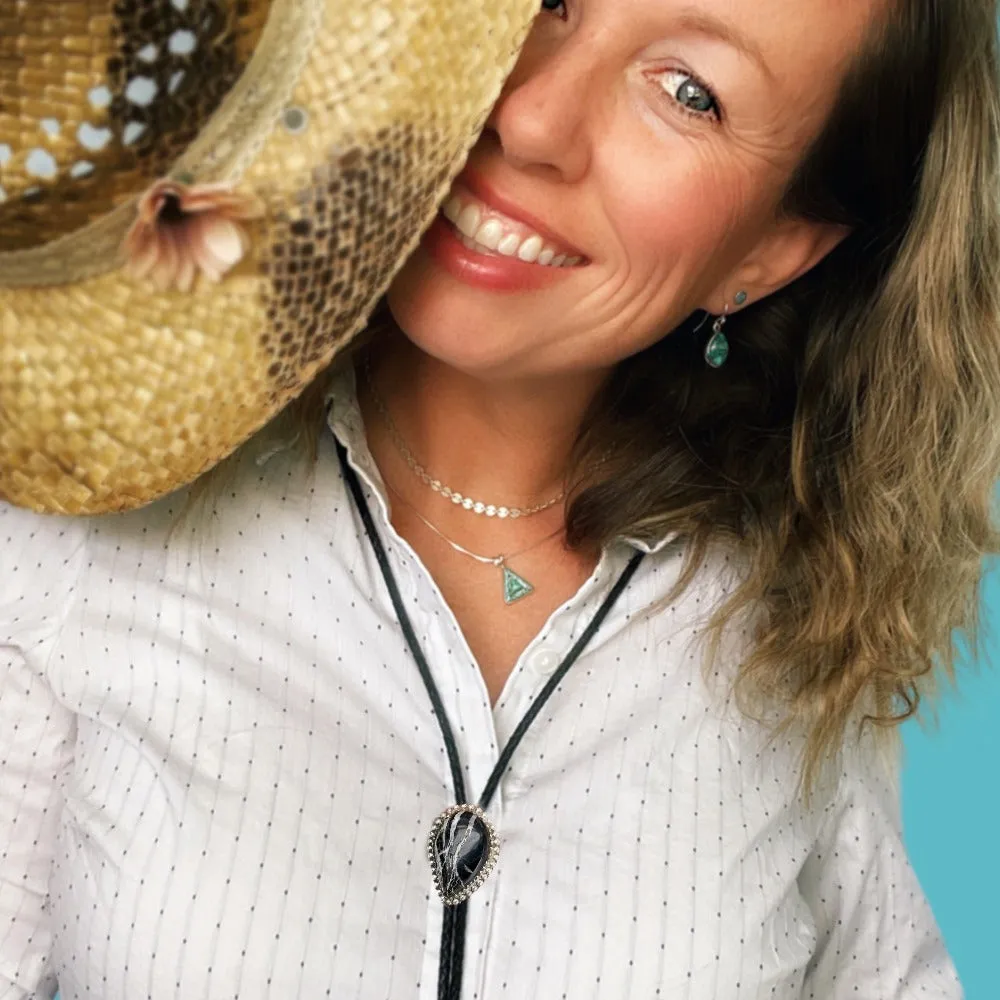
x,y
463,849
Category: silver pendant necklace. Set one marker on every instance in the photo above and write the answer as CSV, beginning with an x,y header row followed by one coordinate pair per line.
x,y
515,586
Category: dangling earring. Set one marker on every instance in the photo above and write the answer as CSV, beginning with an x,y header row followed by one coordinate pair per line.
x,y
717,348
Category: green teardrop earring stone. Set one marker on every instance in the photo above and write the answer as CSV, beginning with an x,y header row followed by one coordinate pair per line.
x,y
717,350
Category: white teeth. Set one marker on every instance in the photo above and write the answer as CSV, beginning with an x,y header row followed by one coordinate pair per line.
x,y
530,248
489,234
473,245
508,245
468,221
452,209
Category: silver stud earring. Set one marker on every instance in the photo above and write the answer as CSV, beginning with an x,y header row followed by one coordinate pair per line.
x,y
717,348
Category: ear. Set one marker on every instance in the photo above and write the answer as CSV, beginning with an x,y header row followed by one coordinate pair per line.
x,y
788,250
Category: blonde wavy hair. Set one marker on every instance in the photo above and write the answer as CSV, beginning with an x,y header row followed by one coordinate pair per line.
x,y
851,446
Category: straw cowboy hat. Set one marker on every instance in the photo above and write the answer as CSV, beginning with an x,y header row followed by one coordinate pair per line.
x,y
201,201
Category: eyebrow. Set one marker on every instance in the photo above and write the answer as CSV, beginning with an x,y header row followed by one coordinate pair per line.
x,y
704,23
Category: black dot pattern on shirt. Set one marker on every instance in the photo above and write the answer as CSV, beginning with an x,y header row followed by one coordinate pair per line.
x,y
218,767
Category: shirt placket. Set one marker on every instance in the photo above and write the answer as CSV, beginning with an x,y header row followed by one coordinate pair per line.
x,y
535,666
466,702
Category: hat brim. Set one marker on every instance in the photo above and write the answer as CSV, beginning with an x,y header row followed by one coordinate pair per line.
x,y
114,392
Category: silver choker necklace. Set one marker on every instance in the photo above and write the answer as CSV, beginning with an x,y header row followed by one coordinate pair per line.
x,y
467,503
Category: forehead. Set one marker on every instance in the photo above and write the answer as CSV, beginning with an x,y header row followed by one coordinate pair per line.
x,y
820,33
786,37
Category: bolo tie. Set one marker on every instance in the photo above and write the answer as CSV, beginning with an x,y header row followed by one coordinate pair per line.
x,y
462,845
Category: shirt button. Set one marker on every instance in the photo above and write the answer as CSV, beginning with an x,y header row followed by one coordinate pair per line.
x,y
545,661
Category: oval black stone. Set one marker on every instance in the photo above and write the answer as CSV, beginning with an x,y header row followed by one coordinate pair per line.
x,y
461,848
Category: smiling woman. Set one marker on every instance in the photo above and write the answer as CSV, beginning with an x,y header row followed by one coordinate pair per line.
x,y
551,643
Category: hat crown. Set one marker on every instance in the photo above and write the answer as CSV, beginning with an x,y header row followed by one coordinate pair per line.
x,y
101,97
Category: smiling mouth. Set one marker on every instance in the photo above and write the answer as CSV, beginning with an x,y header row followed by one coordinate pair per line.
x,y
488,231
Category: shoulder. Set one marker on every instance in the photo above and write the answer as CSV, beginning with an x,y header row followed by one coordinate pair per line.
x,y
41,557
870,772
259,510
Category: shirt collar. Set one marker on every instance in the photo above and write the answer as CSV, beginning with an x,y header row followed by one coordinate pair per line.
x,y
344,420
651,547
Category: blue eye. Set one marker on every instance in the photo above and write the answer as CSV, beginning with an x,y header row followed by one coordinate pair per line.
x,y
692,95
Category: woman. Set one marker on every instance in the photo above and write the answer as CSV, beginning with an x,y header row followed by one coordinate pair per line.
x,y
230,719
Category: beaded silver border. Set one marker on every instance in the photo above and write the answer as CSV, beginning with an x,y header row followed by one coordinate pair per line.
x,y
492,853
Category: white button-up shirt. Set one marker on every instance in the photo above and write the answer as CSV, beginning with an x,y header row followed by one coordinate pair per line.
x,y
219,767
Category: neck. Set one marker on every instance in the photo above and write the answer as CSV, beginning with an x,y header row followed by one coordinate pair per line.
x,y
505,442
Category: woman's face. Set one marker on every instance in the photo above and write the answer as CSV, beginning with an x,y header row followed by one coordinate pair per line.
x,y
652,138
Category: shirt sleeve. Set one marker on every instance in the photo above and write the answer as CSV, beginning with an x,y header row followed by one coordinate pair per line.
x,y
877,934
40,559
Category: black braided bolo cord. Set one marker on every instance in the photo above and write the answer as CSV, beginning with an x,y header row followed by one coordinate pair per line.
x,y
454,917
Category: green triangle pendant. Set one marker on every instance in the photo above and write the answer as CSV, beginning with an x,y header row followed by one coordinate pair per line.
x,y
514,587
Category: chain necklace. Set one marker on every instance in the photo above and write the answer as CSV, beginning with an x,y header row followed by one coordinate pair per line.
x,y
460,500
514,585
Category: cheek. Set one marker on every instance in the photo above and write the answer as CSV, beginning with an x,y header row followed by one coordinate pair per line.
x,y
675,231
679,221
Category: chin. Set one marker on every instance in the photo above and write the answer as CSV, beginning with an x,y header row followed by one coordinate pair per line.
x,y
472,337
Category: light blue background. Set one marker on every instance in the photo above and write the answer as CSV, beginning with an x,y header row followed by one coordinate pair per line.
x,y
951,807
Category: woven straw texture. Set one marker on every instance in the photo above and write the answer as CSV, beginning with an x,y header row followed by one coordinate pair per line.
x,y
347,120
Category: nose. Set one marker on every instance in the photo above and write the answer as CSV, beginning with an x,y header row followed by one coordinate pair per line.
x,y
545,114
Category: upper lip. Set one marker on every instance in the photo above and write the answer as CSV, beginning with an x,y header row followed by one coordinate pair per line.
x,y
480,187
